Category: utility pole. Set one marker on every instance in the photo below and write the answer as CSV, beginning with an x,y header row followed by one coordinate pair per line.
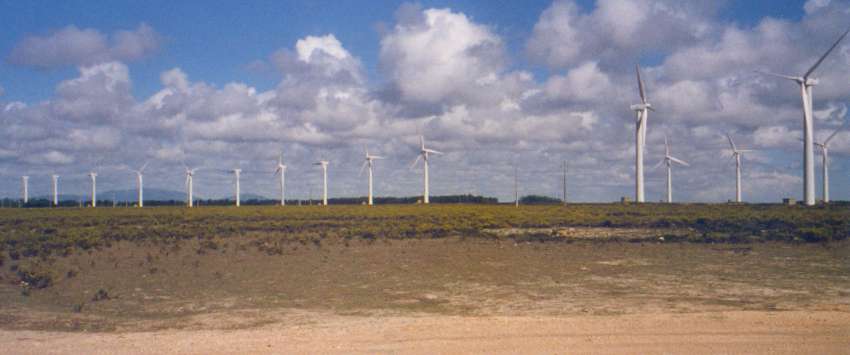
x,y
565,182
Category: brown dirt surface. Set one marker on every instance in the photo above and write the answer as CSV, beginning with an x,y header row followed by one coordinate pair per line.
x,y
735,332
253,294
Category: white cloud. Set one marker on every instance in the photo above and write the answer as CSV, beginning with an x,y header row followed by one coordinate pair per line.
x,y
55,157
100,93
74,46
615,32
583,83
439,55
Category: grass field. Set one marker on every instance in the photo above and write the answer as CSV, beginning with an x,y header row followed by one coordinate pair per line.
x,y
128,269
33,232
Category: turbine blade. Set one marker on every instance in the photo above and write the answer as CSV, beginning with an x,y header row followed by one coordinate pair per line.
x,y
680,161
659,163
422,142
434,152
641,88
362,167
415,161
731,143
777,75
666,146
820,60
826,142
144,166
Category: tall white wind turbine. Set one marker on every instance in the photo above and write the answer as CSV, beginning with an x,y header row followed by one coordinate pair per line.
x,y
93,176
423,154
26,192
281,169
669,160
368,163
237,172
55,179
140,183
806,83
324,164
642,112
190,174
738,155
824,148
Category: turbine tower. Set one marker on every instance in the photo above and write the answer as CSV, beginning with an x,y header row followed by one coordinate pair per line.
x,y
324,164
368,162
139,174
423,154
737,154
281,169
55,189
642,112
25,182
190,173
824,148
669,160
93,176
236,173
806,83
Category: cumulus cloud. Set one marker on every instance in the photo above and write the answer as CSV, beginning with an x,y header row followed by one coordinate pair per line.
x,y
75,46
100,93
615,32
438,54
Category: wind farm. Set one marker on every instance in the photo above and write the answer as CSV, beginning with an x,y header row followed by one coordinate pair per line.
x,y
362,177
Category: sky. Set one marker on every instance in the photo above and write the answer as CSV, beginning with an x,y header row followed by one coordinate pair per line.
x,y
494,84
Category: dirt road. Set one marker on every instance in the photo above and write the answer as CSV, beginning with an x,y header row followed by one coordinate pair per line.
x,y
744,332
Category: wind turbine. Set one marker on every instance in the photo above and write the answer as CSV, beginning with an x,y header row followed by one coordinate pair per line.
x,y
190,173
236,173
368,162
737,154
25,182
93,176
824,148
669,160
642,112
423,154
806,83
55,189
281,169
324,164
140,183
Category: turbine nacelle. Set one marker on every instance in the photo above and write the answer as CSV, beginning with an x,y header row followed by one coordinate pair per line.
x,y
641,107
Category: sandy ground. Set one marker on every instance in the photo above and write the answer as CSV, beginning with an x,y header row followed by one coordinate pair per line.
x,y
736,332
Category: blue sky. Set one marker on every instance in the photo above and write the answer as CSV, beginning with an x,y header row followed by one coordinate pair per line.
x,y
500,83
